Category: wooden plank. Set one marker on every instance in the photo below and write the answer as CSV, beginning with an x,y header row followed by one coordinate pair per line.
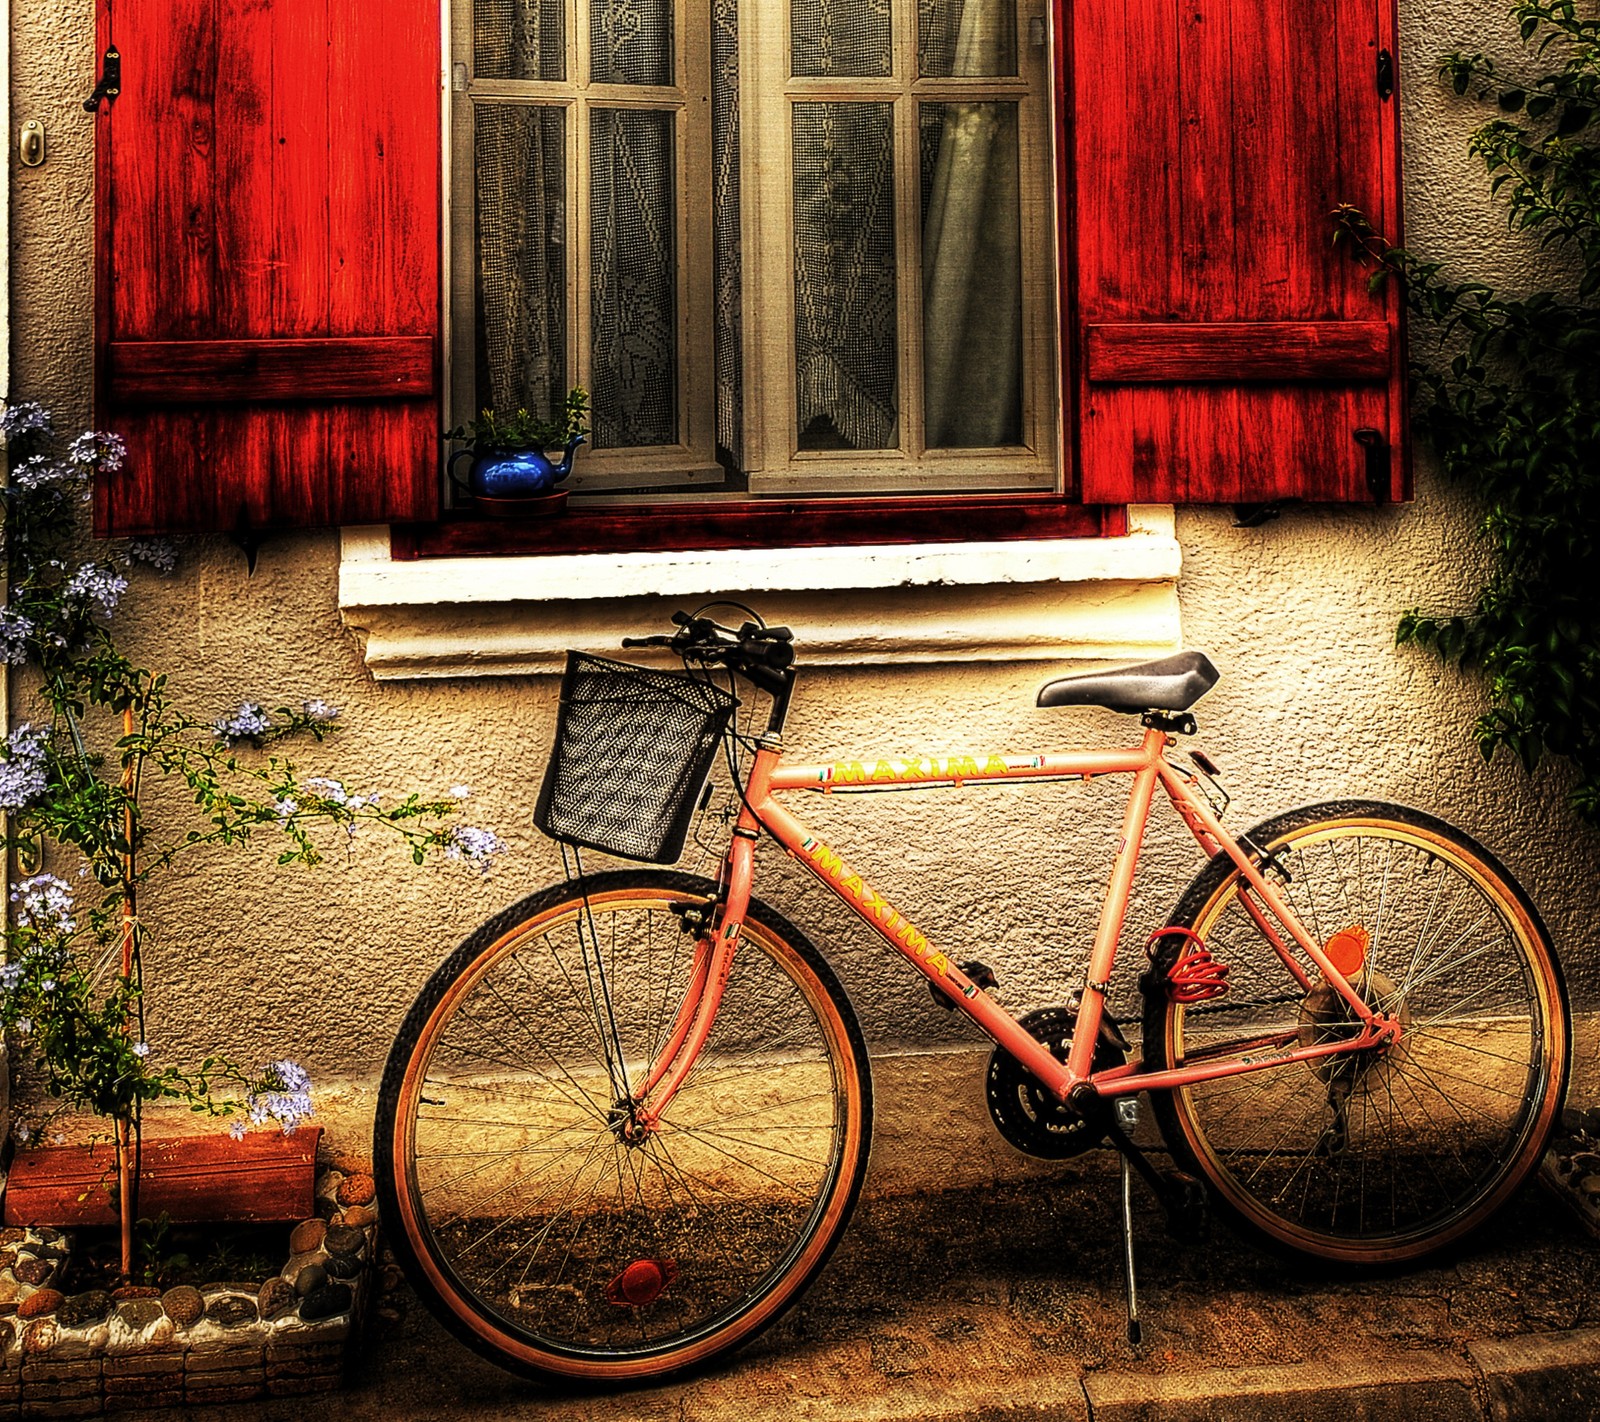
x,y
264,1178
1237,350
209,372
777,523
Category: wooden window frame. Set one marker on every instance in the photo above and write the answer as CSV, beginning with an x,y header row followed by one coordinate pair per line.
x,y
773,517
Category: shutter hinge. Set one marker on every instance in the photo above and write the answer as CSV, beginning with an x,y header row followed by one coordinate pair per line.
x,y
110,84
1378,451
1385,75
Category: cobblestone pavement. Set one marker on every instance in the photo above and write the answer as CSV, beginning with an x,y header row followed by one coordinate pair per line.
x,y
1008,1303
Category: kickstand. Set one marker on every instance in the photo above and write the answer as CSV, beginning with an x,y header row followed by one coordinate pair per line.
x,y
1135,1334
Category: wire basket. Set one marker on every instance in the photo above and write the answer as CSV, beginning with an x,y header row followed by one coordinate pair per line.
x,y
633,747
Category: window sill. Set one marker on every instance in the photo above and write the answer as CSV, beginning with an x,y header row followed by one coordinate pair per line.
x,y
1044,599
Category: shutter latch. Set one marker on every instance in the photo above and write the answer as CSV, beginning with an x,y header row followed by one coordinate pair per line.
x,y
1385,75
1377,448
110,84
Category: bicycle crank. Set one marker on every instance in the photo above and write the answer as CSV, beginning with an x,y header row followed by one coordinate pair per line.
x,y
1027,1114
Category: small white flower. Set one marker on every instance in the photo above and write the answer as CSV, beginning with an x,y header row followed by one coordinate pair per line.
x,y
460,792
141,1049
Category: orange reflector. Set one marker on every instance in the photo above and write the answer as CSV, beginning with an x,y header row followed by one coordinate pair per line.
x,y
1347,949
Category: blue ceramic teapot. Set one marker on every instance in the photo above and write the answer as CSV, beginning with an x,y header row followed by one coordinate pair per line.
x,y
514,473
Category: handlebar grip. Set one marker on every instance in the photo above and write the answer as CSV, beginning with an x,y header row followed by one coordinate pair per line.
x,y
656,641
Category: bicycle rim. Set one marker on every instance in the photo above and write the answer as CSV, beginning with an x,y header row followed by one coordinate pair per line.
x,y
545,1236
1387,1155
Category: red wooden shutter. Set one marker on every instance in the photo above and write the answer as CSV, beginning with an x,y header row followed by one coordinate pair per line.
x,y
1220,348
267,320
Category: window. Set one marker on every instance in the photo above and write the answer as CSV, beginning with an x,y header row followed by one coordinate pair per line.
x,y
761,335
788,249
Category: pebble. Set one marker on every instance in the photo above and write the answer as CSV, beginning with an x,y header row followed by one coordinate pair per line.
x,y
161,1332
349,1163
310,1279
307,1235
231,1310
9,1289
138,1314
359,1216
79,1309
343,1266
34,1270
12,1234
184,1305
326,1301
136,1291
1587,1161
356,1190
297,1262
40,1302
276,1299
40,1337
1590,1185
341,1239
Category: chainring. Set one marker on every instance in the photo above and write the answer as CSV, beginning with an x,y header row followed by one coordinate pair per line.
x,y
1028,1115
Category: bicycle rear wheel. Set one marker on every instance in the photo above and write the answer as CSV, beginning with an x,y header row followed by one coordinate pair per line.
x,y
1386,1155
543,1235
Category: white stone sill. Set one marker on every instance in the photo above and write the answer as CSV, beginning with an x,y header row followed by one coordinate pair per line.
x,y
947,602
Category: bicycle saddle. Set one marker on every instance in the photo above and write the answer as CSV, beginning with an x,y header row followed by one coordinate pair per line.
x,y
1171,684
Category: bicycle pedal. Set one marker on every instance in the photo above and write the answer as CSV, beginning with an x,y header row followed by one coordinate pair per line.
x,y
1187,1205
980,975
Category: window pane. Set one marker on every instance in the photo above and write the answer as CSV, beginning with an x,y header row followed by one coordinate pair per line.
x,y
630,42
966,38
633,267
519,39
519,171
971,276
844,276
841,37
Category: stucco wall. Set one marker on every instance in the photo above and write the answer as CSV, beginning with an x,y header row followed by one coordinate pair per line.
x,y
1298,614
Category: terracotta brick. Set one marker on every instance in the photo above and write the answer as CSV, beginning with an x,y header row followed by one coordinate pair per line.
x,y
49,1370
306,1368
71,1407
143,1402
197,1396
224,1360
281,1350
144,1365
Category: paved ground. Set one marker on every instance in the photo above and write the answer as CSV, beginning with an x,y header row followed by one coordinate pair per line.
x,y
1007,1304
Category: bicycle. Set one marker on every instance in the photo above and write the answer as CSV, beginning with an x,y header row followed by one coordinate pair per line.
x,y
625,1123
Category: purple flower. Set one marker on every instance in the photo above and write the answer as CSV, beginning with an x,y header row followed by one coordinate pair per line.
x,y
237,1129
95,449
15,629
317,709
37,472
477,846
160,553
25,771
44,904
245,724
99,585
332,791
24,418
283,1095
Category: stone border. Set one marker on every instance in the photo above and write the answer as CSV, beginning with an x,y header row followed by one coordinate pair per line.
x,y
137,1348
1571,1166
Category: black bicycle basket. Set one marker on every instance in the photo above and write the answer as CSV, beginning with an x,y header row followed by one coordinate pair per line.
x,y
633,747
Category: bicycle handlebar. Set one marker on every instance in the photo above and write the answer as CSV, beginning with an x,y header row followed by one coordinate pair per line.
x,y
763,655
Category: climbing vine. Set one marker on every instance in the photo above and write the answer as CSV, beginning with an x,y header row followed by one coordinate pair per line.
x,y
1507,390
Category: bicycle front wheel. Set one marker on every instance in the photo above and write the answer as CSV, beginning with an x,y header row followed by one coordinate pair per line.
x,y
1385,1155
544,1230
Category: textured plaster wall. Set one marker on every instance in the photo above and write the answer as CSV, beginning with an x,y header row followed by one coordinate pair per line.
x,y
262,961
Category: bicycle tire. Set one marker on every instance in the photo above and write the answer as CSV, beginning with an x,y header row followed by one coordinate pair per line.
x,y
1385,1157
536,1233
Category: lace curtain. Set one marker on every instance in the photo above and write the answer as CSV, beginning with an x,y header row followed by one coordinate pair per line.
x,y
846,277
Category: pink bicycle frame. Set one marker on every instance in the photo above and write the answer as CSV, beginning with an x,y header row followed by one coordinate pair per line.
x,y
1148,765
